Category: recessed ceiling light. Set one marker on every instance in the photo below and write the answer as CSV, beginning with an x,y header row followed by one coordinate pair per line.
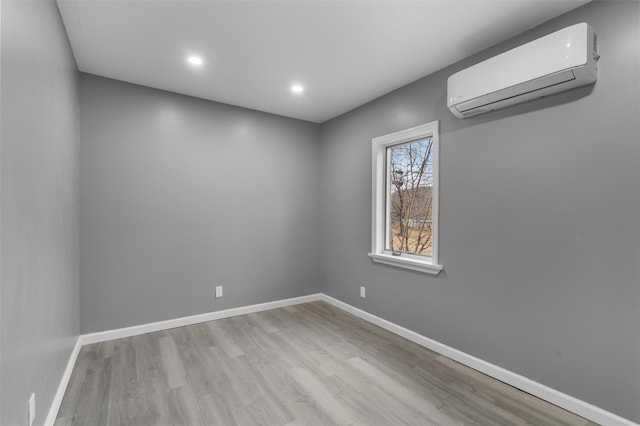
x,y
296,88
194,60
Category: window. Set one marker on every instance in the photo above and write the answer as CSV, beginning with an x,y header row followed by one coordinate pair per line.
x,y
405,199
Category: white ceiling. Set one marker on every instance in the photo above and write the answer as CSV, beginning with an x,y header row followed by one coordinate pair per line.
x,y
345,53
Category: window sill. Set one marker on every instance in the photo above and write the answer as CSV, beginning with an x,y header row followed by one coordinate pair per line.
x,y
406,263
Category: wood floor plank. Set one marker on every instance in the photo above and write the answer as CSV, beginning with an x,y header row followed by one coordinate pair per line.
x,y
536,410
172,361
338,412
424,399
309,364
123,396
92,406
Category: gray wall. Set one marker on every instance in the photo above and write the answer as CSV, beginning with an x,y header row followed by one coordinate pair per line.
x,y
39,197
178,195
539,222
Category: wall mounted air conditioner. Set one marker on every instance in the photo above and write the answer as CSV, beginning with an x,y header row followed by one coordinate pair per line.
x,y
559,61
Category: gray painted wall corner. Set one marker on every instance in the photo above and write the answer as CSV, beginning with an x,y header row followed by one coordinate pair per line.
x,y
39,197
179,195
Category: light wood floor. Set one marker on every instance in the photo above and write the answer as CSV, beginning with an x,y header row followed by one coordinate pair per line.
x,y
309,364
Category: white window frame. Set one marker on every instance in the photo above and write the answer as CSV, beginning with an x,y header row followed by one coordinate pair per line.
x,y
380,211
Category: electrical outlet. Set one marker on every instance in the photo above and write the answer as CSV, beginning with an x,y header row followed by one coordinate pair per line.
x,y
218,291
32,408
362,292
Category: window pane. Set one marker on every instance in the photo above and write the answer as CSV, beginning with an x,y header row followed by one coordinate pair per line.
x,y
409,197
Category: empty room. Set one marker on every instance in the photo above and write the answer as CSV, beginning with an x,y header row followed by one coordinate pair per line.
x,y
319,212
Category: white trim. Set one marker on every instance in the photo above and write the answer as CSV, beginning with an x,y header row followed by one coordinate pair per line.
x,y
103,336
579,407
435,195
135,330
406,262
62,386
569,403
379,205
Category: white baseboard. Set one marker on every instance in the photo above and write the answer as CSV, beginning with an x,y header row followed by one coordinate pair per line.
x,y
62,386
569,403
119,333
103,336
579,407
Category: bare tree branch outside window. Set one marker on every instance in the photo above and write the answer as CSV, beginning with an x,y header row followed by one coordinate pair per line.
x,y
410,196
